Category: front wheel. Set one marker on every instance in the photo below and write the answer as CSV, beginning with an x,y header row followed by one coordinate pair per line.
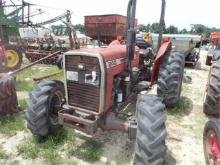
x,y
150,146
211,142
45,102
170,78
211,104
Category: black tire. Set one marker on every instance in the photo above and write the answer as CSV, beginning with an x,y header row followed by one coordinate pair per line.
x,y
211,104
9,105
170,78
150,146
208,61
43,106
19,53
7,86
59,62
211,130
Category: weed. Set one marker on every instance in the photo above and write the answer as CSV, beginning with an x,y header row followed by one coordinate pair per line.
x,y
22,104
182,108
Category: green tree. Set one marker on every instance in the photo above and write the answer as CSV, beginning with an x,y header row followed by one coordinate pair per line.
x,y
171,30
144,28
183,31
80,27
155,27
198,28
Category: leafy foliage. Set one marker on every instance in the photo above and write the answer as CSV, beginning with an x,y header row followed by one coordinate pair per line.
x,y
195,29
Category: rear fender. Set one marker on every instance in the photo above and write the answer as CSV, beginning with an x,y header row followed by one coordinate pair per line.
x,y
167,46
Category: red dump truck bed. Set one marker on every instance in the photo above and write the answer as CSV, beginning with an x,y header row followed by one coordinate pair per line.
x,y
105,27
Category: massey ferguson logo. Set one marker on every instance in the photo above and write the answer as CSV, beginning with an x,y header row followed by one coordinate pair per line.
x,y
118,61
115,62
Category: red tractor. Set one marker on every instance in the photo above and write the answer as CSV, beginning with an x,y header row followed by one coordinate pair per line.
x,y
101,82
214,49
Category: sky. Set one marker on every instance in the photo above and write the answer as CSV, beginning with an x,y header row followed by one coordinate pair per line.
x,y
181,13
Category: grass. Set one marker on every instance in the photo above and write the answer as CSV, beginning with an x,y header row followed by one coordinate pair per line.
x,y
89,151
59,138
49,148
3,154
51,156
72,163
182,108
22,104
120,162
22,84
28,150
15,162
10,125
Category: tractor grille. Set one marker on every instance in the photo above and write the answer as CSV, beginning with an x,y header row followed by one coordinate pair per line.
x,y
82,94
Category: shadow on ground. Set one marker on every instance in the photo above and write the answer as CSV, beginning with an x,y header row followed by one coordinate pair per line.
x,y
183,107
198,66
105,147
170,160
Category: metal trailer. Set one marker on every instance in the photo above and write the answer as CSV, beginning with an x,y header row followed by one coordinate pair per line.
x,y
187,44
106,28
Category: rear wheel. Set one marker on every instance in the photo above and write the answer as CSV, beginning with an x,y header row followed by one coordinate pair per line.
x,y
14,57
8,96
211,142
9,105
211,104
45,102
7,86
150,147
170,78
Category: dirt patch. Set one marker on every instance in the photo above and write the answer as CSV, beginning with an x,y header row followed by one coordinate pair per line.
x,y
185,135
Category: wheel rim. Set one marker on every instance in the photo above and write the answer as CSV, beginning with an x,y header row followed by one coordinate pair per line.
x,y
12,58
55,106
212,145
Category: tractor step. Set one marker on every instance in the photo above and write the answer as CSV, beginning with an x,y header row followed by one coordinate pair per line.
x,y
73,119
